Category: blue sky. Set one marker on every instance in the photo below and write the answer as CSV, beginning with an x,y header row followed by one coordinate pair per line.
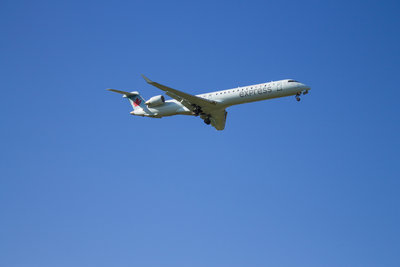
x,y
314,183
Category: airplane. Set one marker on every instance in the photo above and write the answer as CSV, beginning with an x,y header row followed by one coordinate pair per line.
x,y
211,107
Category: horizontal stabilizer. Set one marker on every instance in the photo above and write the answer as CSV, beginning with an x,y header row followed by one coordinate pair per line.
x,y
123,92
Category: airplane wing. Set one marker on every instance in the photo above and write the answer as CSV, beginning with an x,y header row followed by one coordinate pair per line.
x,y
186,99
218,119
192,102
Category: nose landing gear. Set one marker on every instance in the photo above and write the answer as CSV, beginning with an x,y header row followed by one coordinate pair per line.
x,y
298,96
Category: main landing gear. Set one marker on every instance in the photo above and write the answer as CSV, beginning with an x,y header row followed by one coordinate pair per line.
x,y
207,120
197,110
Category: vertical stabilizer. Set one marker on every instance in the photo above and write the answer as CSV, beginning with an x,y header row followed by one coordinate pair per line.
x,y
134,98
136,101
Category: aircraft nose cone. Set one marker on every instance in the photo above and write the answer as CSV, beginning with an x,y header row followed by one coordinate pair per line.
x,y
306,87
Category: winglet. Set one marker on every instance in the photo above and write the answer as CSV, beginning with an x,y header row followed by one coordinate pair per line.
x,y
147,79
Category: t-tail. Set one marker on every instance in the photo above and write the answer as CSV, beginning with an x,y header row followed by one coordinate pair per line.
x,y
137,102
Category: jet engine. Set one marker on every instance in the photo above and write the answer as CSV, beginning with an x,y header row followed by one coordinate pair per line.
x,y
155,101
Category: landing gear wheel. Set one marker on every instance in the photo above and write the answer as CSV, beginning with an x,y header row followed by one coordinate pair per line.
x,y
207,121
298,96
196,110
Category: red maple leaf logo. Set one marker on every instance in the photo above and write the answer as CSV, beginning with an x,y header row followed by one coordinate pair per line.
x,y
137,102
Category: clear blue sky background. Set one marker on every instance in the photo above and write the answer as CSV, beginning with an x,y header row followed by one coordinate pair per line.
x,y
314,183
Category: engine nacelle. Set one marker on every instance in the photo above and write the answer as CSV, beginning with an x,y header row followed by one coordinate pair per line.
x,y
155,101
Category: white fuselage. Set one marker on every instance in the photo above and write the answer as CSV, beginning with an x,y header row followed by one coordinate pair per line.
x,y
230,97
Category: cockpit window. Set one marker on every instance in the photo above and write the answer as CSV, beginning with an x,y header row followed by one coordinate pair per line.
x,y
292,81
